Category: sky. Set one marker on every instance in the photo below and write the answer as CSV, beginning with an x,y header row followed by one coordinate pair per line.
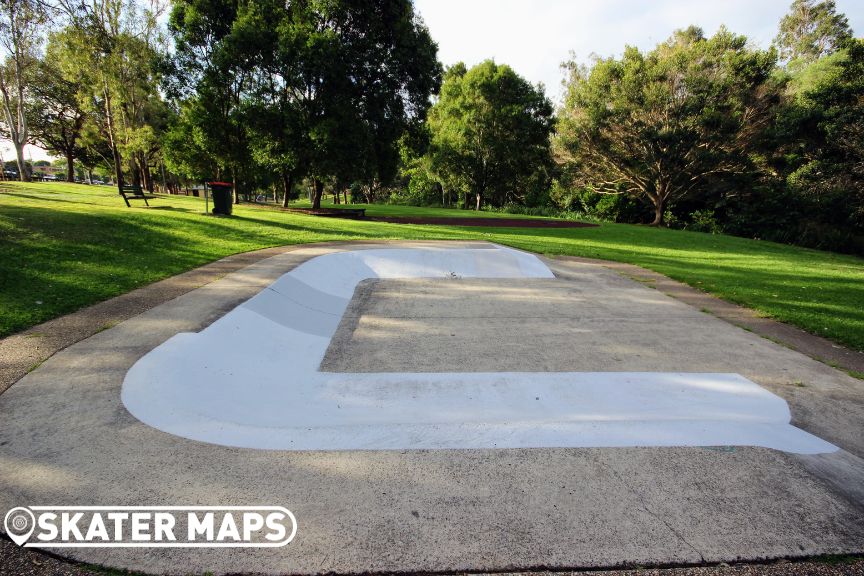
x,y
535,36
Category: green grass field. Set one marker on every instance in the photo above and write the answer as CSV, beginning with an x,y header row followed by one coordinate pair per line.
x,y
64,246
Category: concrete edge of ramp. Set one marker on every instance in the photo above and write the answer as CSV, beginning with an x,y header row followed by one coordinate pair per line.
x,y
252,380
65,437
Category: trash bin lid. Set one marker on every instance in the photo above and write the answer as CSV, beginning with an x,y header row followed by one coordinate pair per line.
x,y
229,184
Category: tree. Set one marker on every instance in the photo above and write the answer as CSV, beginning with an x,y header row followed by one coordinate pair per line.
x,y
825,125
490,133
318,88
21,26
57,107
811,30
94,150
664,125
209,81
186,152
116,43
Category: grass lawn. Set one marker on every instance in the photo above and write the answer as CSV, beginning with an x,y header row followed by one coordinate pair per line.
x,y
64,246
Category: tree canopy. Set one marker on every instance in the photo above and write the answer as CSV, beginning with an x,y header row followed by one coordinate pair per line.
x,y
323,89
490,134
661,125
812,29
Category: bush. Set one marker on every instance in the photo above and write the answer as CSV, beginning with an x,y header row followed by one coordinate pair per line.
x,y
704,221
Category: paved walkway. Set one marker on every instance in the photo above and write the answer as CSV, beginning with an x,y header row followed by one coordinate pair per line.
x,y
65,437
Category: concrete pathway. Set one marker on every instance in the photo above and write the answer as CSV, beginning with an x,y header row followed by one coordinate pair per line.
x,y
65,437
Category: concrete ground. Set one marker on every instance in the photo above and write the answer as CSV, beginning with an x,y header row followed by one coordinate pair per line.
x,y
15,561
65,438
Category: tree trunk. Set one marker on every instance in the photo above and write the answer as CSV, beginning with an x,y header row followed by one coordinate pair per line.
x,y
658,213
23,173
148,176
70,166
288,182
234,186
317,193
17,130
164,181
109,121
135,170
477,205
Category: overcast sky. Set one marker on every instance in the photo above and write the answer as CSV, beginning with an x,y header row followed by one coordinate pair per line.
x,y
535,36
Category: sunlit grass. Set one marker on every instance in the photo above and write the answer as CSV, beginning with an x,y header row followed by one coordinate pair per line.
x,y
64,246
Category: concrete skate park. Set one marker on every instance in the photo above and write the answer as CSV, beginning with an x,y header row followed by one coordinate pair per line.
x,y
432,406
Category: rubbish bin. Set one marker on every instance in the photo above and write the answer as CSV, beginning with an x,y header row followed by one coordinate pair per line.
x,y
222,200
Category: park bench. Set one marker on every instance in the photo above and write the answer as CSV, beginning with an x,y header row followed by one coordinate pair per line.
x,y
134,193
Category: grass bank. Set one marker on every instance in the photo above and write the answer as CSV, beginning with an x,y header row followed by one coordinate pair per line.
x,y
65,246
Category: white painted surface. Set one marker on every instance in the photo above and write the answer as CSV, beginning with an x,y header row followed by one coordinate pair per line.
x,y
251,379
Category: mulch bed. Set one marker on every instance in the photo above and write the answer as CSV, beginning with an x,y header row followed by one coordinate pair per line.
x,y
330,212
496,222
438,221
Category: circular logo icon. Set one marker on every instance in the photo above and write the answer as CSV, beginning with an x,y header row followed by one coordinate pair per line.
x,y
19,524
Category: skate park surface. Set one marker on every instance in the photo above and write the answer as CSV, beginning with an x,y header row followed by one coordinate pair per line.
x,y
503,339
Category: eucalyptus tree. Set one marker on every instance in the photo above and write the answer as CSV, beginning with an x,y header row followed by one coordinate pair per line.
x,y
185,146
663,125
116,44
825,129
22,27
344,82
58,105
810,30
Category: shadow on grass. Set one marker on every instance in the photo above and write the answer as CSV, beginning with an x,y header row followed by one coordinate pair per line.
x,y
57,261
169,208
43,197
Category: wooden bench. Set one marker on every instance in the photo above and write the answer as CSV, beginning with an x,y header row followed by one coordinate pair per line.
x,y
134,193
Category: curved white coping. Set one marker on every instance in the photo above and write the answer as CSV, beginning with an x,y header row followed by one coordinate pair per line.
x,y
251,380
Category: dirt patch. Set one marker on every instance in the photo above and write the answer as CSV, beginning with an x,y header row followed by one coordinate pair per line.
x,y
359,214
489,222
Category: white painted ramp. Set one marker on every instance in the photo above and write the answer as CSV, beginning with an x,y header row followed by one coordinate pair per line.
x,y
251,380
